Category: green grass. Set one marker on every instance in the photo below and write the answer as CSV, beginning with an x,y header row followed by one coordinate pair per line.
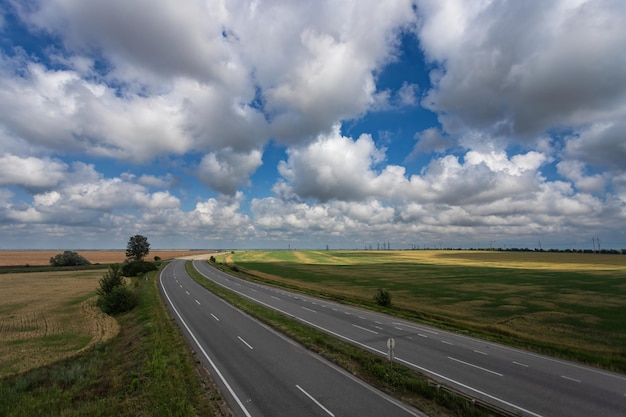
x,y
568,305
146,370
399,381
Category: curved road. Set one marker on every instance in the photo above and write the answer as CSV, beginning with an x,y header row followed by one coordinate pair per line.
x,y
521,382
260,372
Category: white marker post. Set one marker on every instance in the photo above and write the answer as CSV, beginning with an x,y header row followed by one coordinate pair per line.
x,y
391,343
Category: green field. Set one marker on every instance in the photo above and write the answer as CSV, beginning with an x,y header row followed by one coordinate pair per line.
x,y
567,304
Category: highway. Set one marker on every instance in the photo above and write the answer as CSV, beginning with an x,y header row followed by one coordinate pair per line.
x,y
524,383
259,371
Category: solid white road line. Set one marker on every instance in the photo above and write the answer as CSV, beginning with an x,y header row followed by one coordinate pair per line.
x,y
384,353
315,401
208,358
475,366
244,342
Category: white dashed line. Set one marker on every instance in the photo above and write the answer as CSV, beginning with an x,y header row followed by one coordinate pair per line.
x,y
571,379
215,317
363,328
245,343
475,366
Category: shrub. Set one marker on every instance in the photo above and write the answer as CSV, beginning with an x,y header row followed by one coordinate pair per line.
x,y
113,295
134,268
119,300
212,259
68,258
383,297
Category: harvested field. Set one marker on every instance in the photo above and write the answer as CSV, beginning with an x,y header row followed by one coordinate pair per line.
x,y
42,257
47,316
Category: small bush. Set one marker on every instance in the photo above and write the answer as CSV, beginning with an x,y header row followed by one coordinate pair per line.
x,y
119,300
157,258
134,268
113,295
383,297
68,258
212,259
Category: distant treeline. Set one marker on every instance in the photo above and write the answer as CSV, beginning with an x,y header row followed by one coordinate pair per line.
x,y
603,251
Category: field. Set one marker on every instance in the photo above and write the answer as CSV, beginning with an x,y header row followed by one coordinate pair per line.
x,y
42,257
564,303
47,316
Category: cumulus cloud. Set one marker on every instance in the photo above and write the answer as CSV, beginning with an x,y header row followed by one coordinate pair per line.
x,y
31,172
517,69
226,170
430,140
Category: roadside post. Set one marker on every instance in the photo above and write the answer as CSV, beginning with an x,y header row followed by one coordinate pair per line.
x,y
391,343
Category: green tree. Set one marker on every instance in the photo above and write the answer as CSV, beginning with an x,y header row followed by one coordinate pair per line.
x,y
383,297
137,248
68,258
113,295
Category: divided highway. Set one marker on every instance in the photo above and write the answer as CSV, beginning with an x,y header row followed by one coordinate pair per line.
x,y
259,371
524,383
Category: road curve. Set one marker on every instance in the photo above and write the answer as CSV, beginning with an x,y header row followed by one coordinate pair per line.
x,y
521,382
261,372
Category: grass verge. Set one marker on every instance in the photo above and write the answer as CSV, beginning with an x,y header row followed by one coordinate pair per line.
x,y
146,370
397,380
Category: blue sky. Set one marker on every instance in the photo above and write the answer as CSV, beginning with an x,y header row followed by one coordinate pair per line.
x,y
312,124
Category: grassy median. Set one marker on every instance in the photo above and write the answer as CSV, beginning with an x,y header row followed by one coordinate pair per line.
x,y
397,380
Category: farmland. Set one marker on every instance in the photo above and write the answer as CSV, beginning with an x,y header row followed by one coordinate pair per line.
x,y
48,316
42,257
568,304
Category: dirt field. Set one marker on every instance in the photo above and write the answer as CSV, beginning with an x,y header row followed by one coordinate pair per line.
x,y
47,316
42,257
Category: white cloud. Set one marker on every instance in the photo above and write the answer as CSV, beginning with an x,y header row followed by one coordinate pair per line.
x,y
31,172
226,170
518,69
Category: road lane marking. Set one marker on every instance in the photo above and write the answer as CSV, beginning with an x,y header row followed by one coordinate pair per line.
x,y
315,401
362,318
422,335
415,327
571,379
275,298
399,328
187,292
308,309
447,343
215,317
363,328
379,328
244,342
181,285
520,364
475,366
252,289
383,353
481,353
197,302
208,358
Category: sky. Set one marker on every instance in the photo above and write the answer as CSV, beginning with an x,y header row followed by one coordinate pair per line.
x,y
313,124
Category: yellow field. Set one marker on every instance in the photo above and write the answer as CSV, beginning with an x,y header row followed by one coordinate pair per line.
x,y
42,257
47,316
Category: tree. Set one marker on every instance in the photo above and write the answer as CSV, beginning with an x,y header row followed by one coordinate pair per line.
x,y
383,297
113,295
137,248
68,258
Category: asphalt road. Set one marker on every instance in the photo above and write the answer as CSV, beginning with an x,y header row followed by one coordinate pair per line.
x,y
524,383
259,371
